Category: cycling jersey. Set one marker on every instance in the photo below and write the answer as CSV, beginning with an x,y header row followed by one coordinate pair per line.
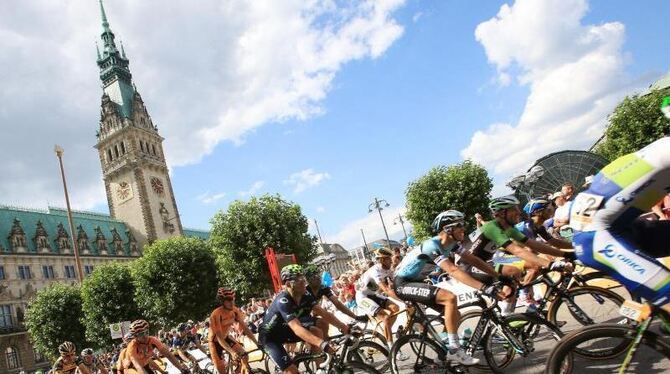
x,y
490,237
221,319
143,352
603,218
183,343
528,228
369,282
412,266
94,365
60,367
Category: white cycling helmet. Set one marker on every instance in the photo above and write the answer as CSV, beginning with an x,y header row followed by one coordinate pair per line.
x,y
447,219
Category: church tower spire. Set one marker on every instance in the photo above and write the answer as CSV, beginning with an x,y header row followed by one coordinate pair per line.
x,y
139,191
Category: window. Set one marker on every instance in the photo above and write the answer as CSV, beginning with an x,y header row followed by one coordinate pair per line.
x,y
123,148
12,358
2,272
48,271
109,155
24,272
69,272
5,316
142,145
153,149
88,269
116,150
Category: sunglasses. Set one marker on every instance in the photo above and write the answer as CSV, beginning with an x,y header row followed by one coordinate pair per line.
x,y
142,333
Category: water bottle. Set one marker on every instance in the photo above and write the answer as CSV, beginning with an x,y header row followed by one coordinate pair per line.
x,y
465,337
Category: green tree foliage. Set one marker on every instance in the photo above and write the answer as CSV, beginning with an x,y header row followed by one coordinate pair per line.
x,y
107,297
241,234
55,316
465,187
636,122
175,280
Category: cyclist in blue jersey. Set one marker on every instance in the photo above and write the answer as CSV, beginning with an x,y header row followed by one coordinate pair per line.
x,y
409,281
281,323
608,235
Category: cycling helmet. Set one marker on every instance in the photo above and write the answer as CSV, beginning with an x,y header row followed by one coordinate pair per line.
x,y
225,293
139,326
447,219
501,203
291,272
311,270
128,336
535,205
87,352
383,252
67,348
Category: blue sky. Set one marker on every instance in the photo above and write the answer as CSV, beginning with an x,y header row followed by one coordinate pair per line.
x,y
361,116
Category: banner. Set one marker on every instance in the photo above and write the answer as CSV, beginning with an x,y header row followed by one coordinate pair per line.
x,y
118,330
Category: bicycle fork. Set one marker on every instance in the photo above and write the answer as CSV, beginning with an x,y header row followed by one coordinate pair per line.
x,y
636,343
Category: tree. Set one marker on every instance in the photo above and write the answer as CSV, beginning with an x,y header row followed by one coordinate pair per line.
x,y
54,316
465,187
175,280
241,235
635,122
107,297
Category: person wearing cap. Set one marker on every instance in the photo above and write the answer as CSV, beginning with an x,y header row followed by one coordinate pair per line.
x,y
372,290
281,323
69,362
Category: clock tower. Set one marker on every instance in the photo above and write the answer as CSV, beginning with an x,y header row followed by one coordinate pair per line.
x,y
137,182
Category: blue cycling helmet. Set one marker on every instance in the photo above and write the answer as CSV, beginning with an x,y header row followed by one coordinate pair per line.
x,y
535,205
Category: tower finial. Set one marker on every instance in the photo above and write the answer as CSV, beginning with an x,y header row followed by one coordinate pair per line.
x,y
123,52
97,50
105,24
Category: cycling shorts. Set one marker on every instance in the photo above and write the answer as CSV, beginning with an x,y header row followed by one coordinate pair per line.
x,y
217,351
371,304
419,292
604,219
273,345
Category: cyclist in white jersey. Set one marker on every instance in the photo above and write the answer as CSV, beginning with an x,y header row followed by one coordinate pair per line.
x,y
609,236
371,300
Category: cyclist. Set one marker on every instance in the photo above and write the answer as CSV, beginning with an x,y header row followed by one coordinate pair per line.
x,y
607,235
318,291
69,362
281,323
409,280
140,350
221,321
181,343
369,296
91,362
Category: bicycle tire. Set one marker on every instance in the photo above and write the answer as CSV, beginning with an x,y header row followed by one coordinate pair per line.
x,y
607,330
483,366
414,339
356,367
367,346
612,296
527,330
592,276
375,336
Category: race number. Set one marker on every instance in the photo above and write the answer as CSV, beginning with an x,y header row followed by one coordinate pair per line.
x,y
634,311
583,210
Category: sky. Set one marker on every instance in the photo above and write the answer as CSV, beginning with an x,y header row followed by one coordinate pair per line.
x,y
328,103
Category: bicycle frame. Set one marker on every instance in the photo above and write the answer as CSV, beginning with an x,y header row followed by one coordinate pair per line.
x,y
641,329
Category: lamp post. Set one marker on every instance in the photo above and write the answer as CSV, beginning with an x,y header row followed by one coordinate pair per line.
x,y
402,223
318,232
377,204
365,248
80,274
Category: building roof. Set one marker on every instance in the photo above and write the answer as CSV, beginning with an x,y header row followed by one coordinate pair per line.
x,y
196,233
661,84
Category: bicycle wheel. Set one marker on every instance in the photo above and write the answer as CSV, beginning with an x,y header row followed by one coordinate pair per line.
x,y
469,321
651,356
606,281
374,336
431,357
371,354
355,367
537,335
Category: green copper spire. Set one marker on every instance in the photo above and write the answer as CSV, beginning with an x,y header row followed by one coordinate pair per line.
x,y
123,52
97,50
105,24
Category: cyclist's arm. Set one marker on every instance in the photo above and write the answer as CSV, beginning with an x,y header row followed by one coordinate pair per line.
x,y
246,331
303,333
102,369
526,255
543,248
83,369
341,307
479,264
167,354
136,365
221,339
560,243
459,274
329,317
388,290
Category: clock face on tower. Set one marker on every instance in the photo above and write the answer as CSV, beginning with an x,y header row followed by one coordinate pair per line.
x,y
157,185
124,191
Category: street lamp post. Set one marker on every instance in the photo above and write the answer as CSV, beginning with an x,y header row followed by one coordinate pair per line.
x,y
377,204
402,223
80,274
365,248
318,232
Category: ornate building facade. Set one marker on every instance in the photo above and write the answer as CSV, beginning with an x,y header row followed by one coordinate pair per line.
x,y
35,245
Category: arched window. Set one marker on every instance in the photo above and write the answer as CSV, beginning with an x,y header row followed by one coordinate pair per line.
x,y
12,356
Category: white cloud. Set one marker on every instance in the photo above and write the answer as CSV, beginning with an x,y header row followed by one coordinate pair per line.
x,y
575,73
305,179
208,198
320,209
350,237
255,187
209,72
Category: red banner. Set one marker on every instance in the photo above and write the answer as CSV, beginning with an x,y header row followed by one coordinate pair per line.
x,y
275,263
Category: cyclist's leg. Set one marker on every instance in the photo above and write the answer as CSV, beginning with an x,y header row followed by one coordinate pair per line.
x,y
274,347
216,355
389,309
322,325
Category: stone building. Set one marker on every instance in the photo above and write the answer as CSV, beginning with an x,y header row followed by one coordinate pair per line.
x,y
35,245
332,257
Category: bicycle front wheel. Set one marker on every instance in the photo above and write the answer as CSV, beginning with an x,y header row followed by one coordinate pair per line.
x,y
355,367
536,335
651,356
371,354
419,354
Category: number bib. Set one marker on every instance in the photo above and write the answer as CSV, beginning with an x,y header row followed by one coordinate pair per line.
x,y
583,209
